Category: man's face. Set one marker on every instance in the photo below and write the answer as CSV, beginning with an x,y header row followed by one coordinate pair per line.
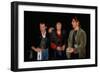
x,y
42,27
58,26
74,23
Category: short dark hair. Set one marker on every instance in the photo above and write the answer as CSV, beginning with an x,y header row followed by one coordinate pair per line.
x,y
43,23
58,22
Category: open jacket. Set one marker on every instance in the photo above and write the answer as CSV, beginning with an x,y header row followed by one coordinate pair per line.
x,y
54,39
37,40
36,43
80,42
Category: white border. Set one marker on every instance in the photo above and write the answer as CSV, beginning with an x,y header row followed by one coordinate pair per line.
x,y
22,64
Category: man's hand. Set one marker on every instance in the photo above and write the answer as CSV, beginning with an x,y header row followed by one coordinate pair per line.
x,y
63,48
50,29
37,49
70,50
58,48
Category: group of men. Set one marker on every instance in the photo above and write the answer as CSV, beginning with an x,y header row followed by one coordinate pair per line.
x,y
52,44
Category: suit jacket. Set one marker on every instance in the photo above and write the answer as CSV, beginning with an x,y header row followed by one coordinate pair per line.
x,y
80,42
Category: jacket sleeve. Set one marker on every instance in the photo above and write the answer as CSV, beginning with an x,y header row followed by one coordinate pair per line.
x,y
70,40
69,44
81,47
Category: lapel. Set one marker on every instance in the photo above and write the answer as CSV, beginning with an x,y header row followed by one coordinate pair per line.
x,y
77,36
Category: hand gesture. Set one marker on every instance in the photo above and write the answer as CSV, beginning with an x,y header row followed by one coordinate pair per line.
x,y
70,50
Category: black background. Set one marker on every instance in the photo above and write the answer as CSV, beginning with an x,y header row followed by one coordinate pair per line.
x,y
31,27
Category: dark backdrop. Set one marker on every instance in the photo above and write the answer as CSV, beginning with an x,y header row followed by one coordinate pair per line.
x,y
31,27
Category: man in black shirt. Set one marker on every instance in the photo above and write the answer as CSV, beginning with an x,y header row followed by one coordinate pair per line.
x,y
41,43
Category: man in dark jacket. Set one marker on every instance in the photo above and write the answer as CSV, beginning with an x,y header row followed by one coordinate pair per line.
x,y
57,43
41,43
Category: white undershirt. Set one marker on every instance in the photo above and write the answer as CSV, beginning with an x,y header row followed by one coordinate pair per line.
x,y
39,54
44,34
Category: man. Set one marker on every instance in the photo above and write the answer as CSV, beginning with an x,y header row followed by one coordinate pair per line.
x,y
41,43
57,43
76,41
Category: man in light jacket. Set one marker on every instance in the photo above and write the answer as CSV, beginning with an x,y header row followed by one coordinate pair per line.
x,y
76,41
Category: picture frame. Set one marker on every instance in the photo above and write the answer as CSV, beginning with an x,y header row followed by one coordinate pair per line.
x,y
21,13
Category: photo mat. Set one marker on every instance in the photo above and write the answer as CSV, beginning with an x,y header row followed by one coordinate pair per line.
x,y
26,18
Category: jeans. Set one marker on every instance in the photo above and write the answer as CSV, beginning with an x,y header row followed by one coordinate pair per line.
x,y
45,54
59,55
